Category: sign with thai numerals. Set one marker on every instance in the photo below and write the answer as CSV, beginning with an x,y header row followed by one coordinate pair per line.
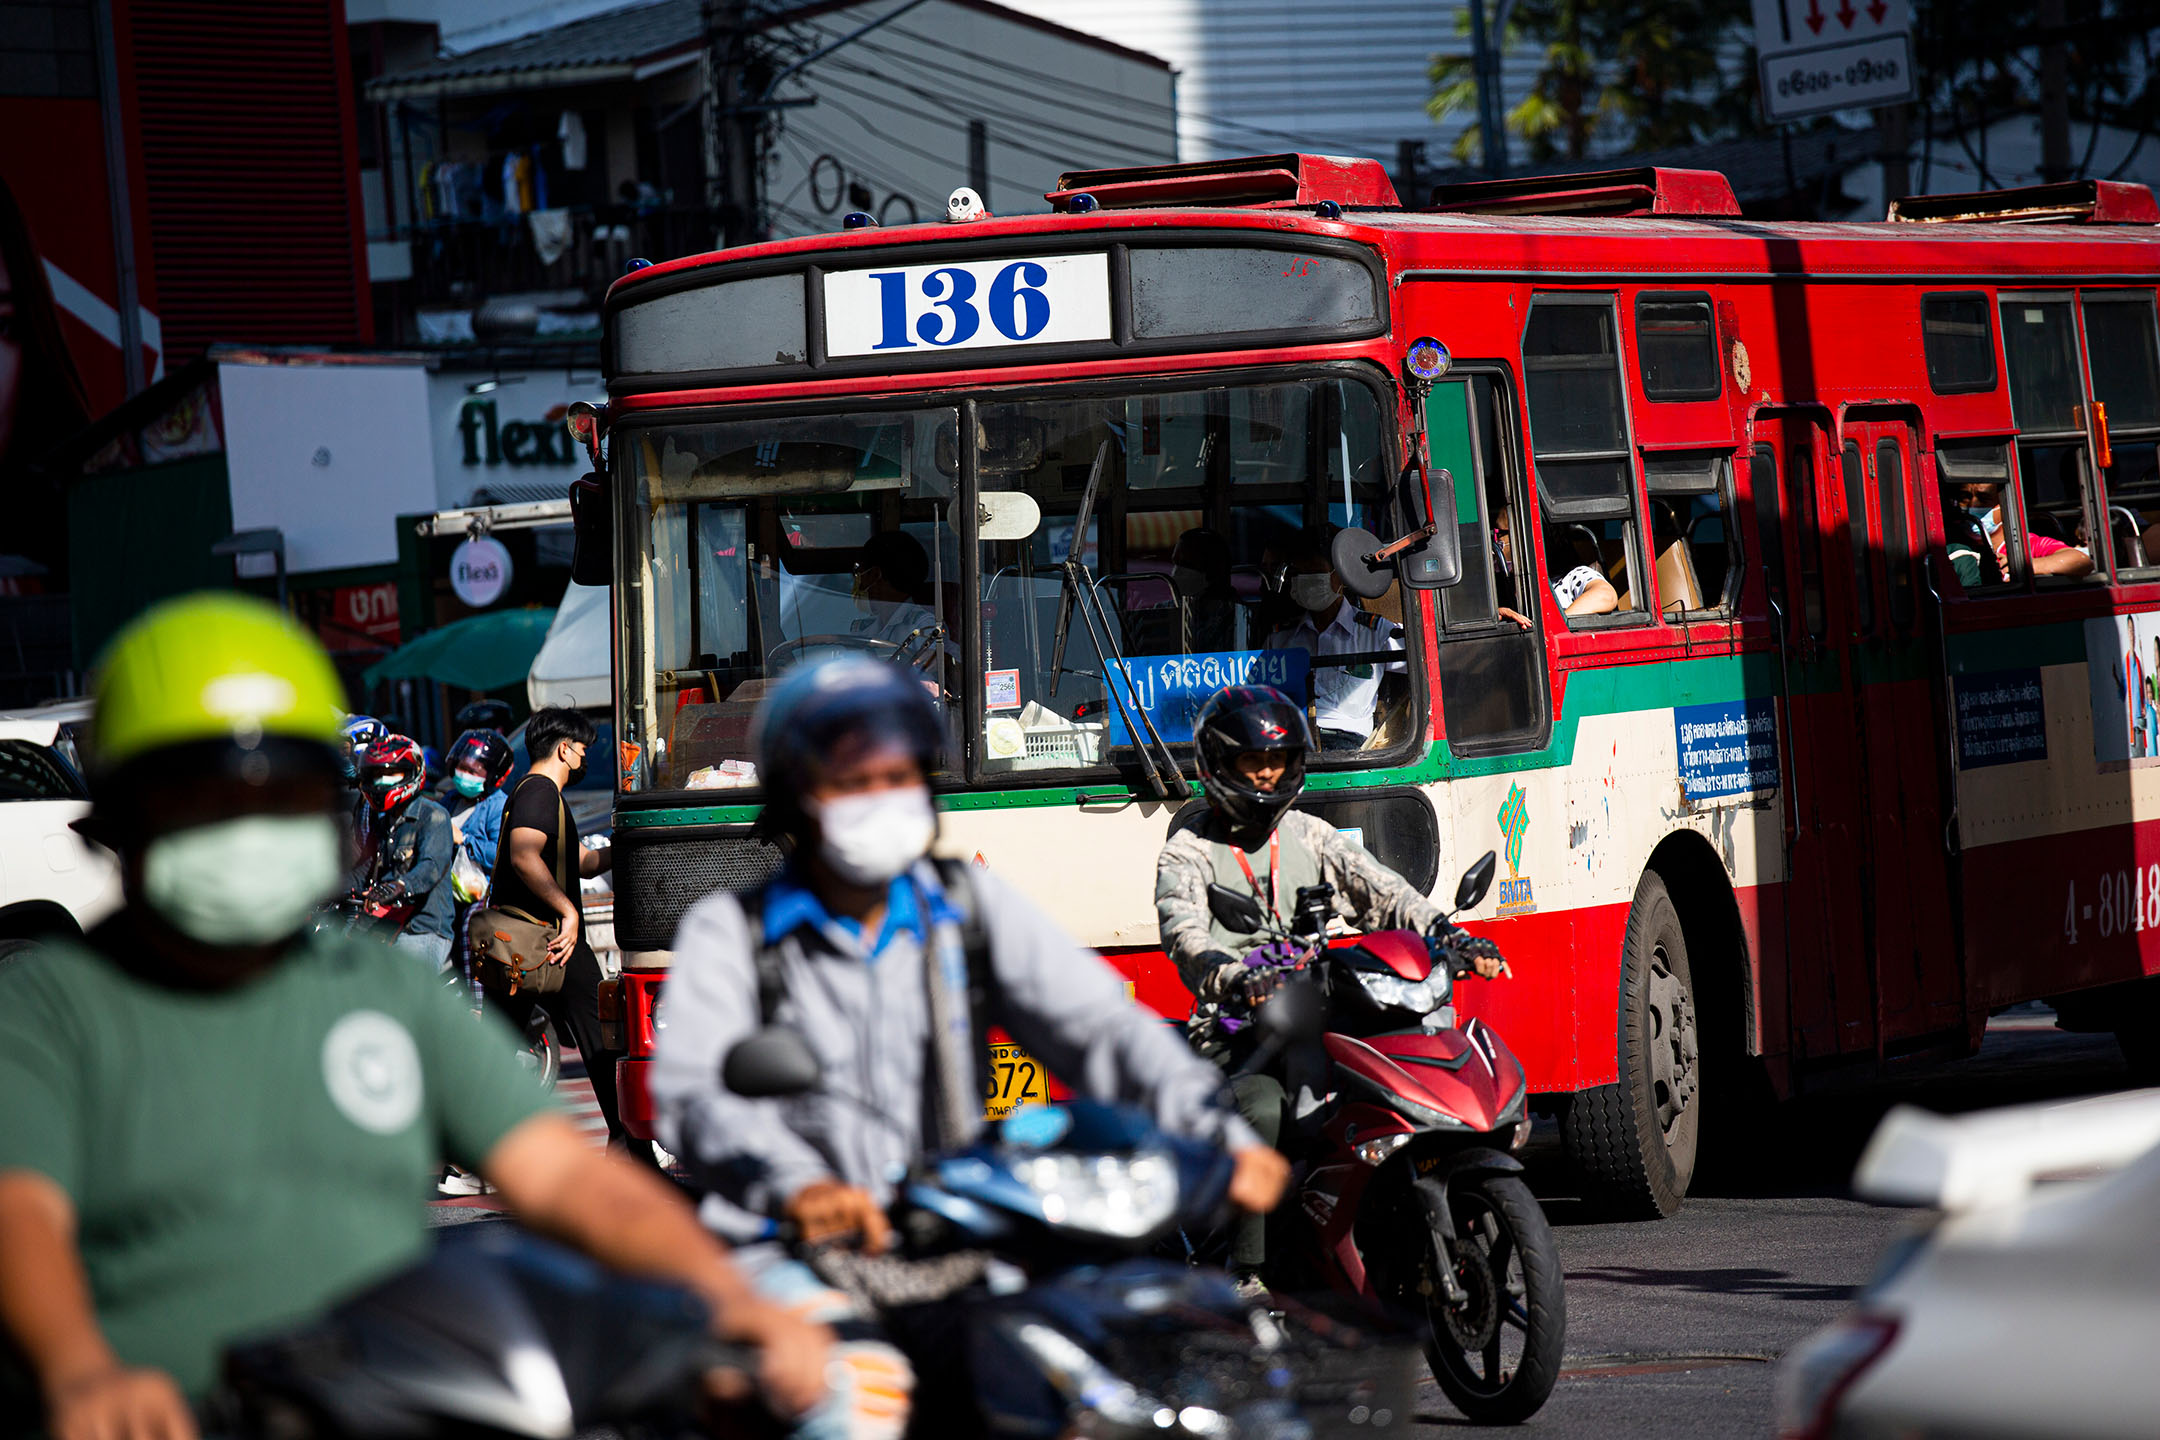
x,y
1819,55
967,305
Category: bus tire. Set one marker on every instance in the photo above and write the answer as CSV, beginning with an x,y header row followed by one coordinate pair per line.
x,y
1633,1143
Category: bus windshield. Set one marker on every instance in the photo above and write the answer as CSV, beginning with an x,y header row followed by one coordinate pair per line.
x,y
755,544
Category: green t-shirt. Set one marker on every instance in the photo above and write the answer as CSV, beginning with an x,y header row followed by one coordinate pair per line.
x,y
240,1158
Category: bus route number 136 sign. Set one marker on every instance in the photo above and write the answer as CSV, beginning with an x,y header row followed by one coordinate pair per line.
x,y
967,305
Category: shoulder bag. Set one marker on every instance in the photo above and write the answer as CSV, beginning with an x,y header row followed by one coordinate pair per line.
x,y
509,947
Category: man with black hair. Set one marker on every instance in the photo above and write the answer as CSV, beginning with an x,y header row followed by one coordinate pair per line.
x,y
890,571
537,869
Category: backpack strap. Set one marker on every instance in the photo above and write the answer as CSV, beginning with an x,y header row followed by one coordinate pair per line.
x,y
764,958
975,950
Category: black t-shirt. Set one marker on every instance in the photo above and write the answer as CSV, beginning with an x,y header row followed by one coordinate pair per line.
x,y
535,804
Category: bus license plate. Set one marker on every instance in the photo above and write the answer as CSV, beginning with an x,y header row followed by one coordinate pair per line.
x,y
1015,1080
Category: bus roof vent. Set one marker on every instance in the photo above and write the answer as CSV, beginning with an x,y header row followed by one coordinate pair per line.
x,y
1276,181
2068,202
1642,191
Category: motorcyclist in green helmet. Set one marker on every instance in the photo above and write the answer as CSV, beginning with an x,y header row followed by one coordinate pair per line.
x,y
218,1123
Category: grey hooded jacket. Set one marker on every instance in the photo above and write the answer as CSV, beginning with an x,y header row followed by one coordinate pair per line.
x,y
869,1021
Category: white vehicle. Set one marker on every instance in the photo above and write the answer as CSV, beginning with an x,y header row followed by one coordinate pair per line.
x,y
2027,1306
51,879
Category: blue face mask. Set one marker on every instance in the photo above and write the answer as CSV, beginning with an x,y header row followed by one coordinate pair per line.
x,y
470,786
1984,515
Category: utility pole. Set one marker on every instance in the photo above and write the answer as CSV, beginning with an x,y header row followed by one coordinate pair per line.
x,y
1893,131
731,125
1487,44
2054,93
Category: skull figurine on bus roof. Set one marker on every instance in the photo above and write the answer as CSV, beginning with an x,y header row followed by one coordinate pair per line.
x,y
964,205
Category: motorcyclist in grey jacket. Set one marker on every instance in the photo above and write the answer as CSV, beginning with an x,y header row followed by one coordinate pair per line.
x,y
862,939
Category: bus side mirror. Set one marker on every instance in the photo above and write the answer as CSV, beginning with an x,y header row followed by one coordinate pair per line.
x,y
1423,497
592,530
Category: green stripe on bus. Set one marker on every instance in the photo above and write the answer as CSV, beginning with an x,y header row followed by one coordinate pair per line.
x,y
2029,647
1609,690
1612,690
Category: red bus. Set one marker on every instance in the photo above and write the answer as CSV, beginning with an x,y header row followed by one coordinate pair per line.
x,y
1781,600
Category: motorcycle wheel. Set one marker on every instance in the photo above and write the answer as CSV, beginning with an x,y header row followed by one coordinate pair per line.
x,y
1496,1354
543,1052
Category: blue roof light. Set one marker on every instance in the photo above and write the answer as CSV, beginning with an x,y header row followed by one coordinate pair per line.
x,y
858,220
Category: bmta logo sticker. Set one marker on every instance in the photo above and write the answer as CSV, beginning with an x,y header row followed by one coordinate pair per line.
x,y
1515,896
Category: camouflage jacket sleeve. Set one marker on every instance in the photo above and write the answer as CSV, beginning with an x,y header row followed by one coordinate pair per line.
x,y
1181,880
1367,894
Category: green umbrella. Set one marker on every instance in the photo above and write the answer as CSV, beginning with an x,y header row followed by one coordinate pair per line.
x,y
480,652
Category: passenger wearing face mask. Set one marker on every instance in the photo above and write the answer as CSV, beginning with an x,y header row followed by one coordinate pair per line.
x,y
537,870
870,950
218,1123
1345,695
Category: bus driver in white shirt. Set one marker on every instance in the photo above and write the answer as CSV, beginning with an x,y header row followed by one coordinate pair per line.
x,y
1345,697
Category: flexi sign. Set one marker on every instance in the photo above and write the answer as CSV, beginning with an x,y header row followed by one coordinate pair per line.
x,y
967,305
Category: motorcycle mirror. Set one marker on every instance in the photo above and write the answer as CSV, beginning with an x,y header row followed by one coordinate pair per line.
x,y
1475,882
1235,909
770,1063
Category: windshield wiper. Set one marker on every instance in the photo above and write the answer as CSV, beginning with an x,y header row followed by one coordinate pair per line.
x,y
1162,769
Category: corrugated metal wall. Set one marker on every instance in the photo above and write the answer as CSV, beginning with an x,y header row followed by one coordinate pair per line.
x,y
244,114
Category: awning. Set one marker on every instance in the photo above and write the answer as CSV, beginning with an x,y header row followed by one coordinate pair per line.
x,y
572,667
482,652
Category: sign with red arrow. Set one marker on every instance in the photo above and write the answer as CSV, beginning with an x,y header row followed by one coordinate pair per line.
x,y
1814,58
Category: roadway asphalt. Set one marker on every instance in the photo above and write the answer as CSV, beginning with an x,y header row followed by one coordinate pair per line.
x,y
1674,1327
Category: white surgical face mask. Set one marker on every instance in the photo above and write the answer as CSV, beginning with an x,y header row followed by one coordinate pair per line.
x,y
1312,592
250,881
867,839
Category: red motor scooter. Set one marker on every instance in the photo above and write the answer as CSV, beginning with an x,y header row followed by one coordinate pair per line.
x,y
1405,1192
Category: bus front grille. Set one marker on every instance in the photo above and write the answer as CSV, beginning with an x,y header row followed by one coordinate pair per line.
x,y
662,873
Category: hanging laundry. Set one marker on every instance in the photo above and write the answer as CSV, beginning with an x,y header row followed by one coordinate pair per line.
x,y
513,190
551,234
570,130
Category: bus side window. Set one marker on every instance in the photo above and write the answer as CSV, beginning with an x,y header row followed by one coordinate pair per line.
x,y
1492,661
1897,533
1856,534
1770,535
1800,464
1691,534
2047,398
1579,444
1972,475
2124,358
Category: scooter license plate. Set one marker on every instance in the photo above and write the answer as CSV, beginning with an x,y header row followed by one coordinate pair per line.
x,y
1016,1079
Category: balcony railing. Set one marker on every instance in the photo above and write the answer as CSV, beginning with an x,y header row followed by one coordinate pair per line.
x,y
459,262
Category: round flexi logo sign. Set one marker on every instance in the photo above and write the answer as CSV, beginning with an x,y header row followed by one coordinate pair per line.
x,y
480,571
372,1070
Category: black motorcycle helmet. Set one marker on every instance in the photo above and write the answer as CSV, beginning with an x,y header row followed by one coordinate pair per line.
x,y
1238,721
489,749
484,715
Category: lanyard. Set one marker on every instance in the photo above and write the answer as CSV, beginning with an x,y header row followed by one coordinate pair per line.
x,y
1274,870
